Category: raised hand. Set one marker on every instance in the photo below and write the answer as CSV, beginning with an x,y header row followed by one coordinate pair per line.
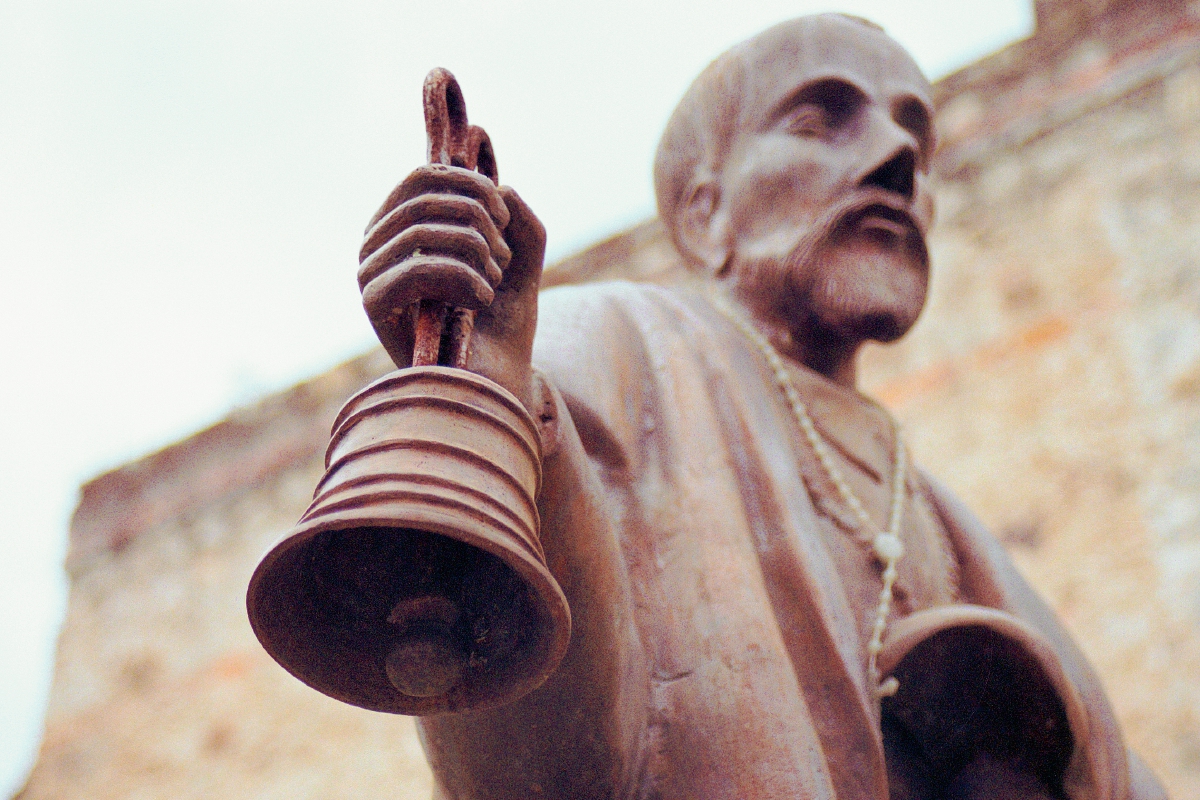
x,y
436,238
448,234
441,247
441,230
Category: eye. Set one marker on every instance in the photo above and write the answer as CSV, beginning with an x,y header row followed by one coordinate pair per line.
x,y
821,108
807,119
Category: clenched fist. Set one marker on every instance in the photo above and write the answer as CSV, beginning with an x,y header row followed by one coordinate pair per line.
x,y
449,234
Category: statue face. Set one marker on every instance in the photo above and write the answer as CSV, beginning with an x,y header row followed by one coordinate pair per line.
x,y
824,198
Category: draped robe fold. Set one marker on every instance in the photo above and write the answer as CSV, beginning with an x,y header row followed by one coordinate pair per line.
x,y
717,649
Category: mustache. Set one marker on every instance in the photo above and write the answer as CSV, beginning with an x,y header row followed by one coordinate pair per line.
x,y
840,217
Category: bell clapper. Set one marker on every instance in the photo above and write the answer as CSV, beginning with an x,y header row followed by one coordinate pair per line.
x,y
427,659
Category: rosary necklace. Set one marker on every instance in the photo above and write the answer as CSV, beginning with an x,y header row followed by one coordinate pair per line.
x,y
885,544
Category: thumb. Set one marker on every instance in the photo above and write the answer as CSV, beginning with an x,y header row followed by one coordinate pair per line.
x,y
526,237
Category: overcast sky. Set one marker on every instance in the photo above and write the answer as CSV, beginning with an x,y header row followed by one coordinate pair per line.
x,y
183,187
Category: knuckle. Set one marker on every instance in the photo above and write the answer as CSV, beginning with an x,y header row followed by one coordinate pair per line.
x,y
436,277
433,209
442,236
439,235
493,271
455,180
502,254
447,203
453,244
437,224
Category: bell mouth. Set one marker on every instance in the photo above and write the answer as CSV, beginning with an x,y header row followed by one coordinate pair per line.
x,y
352,611
977,682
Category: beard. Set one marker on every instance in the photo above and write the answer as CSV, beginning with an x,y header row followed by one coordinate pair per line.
x,y
840,282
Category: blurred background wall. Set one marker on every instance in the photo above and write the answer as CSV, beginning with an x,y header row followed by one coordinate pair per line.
x,y
1053,383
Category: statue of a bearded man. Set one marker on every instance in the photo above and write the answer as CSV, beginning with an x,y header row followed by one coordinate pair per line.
x,y
768,599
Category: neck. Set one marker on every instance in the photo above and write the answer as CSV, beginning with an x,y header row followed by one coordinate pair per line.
x,y
801,339
825,354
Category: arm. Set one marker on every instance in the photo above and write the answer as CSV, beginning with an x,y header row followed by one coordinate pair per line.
x,y
579,734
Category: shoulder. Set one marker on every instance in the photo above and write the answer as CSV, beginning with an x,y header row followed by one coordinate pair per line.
x,y
595,302
608,348
604,325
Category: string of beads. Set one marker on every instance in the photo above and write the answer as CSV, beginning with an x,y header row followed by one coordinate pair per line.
x,y
886,545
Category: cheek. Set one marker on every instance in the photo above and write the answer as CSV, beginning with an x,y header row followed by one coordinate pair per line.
x,y
777,202
924,208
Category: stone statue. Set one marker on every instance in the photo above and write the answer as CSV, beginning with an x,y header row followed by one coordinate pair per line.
x,y
766,598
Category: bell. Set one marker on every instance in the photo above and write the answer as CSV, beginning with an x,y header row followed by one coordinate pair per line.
x,y
977,682
415,583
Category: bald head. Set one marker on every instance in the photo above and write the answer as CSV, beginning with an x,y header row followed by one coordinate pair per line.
x,y
738,90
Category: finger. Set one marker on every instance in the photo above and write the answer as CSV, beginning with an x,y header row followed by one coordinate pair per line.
x,y
425,277
442,179
526,236
438,208
459,242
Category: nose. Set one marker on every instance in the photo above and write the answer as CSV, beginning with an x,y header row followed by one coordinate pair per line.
x,y
895,167
896,174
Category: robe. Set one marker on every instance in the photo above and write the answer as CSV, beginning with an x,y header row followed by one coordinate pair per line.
x,y
721,594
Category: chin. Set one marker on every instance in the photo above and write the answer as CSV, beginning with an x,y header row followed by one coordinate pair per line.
x,y
868,296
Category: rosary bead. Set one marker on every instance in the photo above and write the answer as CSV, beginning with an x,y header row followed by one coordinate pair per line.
x,y
888,547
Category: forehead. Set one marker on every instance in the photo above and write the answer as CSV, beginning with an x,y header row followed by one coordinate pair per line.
x,y
830,46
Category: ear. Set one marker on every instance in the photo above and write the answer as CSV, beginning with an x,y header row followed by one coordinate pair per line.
x,y
702,228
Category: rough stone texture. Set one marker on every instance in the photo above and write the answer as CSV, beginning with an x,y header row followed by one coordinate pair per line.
x,y
1053,383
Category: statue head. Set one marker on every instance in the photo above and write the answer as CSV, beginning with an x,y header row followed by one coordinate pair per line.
x,y
796,168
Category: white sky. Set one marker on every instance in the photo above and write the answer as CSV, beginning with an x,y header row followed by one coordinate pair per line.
x,y
183,187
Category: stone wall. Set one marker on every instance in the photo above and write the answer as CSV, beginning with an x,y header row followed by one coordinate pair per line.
x,y
1053,383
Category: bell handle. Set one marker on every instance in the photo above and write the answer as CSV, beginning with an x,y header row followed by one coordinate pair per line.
x,y
454,142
